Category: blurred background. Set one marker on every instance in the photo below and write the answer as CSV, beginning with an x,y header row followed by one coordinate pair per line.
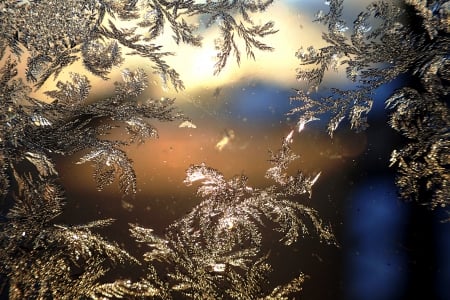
x,y
388,249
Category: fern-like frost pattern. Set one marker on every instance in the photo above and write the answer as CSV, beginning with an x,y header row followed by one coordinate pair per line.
x,y
56,37
41,259
389,41
215,251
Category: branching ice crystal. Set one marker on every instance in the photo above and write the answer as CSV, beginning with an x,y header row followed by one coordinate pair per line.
x,y
43,260
40,259
35,130
362,53
215,251
390,41
57,33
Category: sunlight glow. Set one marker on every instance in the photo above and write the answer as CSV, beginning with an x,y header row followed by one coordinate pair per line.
x,y
196,65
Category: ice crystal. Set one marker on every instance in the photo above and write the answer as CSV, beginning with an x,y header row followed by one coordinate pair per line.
x,y
423,163
41,259
44,260
215,251
390,41
55,34
362,52
34,130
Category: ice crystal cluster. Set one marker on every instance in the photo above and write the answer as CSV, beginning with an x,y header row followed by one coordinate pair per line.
x,y
217,250
57,33
39,258
391,40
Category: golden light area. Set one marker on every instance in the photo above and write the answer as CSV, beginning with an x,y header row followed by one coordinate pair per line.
x,y
160,164
196,64
278,67
228,143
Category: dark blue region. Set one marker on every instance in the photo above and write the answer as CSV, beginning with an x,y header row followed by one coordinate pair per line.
x,y
375,265
442,232
382,93
260,103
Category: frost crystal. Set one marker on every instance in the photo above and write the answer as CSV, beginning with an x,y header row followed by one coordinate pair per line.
x,y
56,33
216,250
39,258
388,41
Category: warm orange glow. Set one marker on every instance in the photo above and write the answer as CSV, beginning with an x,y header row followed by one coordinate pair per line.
x,y
221,144
160,164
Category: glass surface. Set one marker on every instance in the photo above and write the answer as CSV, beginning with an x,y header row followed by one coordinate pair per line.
x,y
386,248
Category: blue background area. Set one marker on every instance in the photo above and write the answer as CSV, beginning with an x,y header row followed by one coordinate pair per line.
x,y
442,231
381,237
260,103
375,265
